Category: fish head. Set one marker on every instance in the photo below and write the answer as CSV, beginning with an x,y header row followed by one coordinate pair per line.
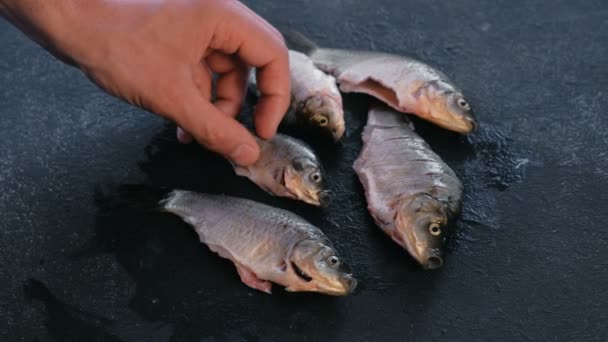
x,y
314,266
304,178
447,107
323,113
420,228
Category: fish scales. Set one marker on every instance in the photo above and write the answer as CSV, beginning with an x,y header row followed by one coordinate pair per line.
x,y
266,244
411,193
408,163
248,232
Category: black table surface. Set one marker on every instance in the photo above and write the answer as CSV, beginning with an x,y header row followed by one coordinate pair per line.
x,y
528,260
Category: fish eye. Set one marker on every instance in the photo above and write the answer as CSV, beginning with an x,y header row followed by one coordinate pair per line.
x,y
315,177
321,119
333,260
435,229
463,103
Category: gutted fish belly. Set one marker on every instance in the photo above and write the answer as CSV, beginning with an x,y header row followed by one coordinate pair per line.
x,y
266,244
405,84
287,167
411,193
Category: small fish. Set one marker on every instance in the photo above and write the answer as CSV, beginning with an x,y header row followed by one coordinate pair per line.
x,y
265,244
287,167
405,84
316,102
411,193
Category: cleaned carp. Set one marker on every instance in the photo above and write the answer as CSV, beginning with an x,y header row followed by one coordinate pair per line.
x,y
287,167
411,193
316,102
405,84
265,244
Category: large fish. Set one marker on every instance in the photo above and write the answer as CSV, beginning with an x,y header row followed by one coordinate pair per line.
x,y
411,193
316,102
287,167
405,84
265,244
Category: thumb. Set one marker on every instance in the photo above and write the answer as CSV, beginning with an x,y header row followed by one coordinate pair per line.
x,y
215,130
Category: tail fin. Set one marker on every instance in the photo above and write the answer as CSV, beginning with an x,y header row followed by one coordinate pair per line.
x,y
298,42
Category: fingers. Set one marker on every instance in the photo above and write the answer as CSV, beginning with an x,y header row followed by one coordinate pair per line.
x,y
258,44
202,79
215,130
271,107
231,83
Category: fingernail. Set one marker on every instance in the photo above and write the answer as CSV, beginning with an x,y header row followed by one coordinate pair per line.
x,y
243,154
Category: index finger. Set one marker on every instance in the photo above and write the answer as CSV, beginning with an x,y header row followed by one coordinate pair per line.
x,y
260,45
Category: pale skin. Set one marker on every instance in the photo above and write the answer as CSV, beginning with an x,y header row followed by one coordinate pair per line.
x,y
160,55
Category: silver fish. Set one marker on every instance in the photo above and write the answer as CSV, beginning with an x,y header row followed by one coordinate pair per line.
x,y
316,102
266,244
287,167
405,84
411,193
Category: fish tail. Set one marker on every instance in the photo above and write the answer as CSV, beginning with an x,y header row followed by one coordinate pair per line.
x,y
298,42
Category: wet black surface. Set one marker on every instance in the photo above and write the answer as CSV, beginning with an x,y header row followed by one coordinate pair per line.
x,y
527,262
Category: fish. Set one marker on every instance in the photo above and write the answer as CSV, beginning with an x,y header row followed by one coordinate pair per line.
x,y
266,244
405,84
411,193
316,102
287,167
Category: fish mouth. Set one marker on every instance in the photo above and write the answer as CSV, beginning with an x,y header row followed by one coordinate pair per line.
x,y
429,261
338,132
301,274
460,124
433,262
349,283
344,286
311,200
469,124
304,195
325,198
321,198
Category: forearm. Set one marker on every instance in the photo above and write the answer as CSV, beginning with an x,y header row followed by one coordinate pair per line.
x,y
39,19
74,30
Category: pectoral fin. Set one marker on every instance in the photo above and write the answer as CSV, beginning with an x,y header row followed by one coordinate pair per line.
x,y
251,280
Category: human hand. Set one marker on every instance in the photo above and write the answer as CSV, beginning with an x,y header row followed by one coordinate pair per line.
x,y
160,55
